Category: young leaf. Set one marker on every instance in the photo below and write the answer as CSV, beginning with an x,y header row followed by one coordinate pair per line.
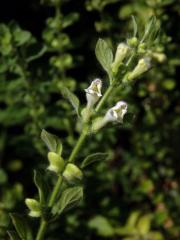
x,y
13,235
52,142
39,182
94,158
21,227
69,198
71,97
135,28
104,55
149,28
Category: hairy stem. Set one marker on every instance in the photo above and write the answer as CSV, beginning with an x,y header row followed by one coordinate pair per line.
x,y
103,99
55,192
77,147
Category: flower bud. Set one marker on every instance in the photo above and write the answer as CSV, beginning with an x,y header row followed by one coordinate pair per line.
x,y
160,57
116,113
142,48
72,173
143,65
56,162
121,52
93,92
34,207
132,42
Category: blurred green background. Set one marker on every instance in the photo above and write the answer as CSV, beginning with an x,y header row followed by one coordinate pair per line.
x,y
49,44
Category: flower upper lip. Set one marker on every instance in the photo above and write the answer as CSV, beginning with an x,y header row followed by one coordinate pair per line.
x,y
95,88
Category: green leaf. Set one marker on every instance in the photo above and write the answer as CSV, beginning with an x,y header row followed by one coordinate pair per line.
x,y
144,224
69,19
131,222
21,227
52,142
39,182
69,198
102,226
71,97
151,30
127,230
104,55
94,158
135,28
21,37
13,235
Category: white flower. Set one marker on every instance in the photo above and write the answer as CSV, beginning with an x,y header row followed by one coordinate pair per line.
x,y
117,112
114,114
93,92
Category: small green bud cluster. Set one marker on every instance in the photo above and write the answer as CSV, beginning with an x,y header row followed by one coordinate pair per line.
x,y
132,42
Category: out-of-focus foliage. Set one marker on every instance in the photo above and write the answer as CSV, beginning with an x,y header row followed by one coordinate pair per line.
x,y
137,189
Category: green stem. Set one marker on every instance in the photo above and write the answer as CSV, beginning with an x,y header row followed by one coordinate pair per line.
x,y
42,230
103,99
78,146
43,225
55,192
74,152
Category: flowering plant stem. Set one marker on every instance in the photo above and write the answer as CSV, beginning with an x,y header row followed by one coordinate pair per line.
x,y
105,96
82,137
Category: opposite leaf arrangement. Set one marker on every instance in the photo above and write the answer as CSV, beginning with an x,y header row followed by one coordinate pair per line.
x,y
131,60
